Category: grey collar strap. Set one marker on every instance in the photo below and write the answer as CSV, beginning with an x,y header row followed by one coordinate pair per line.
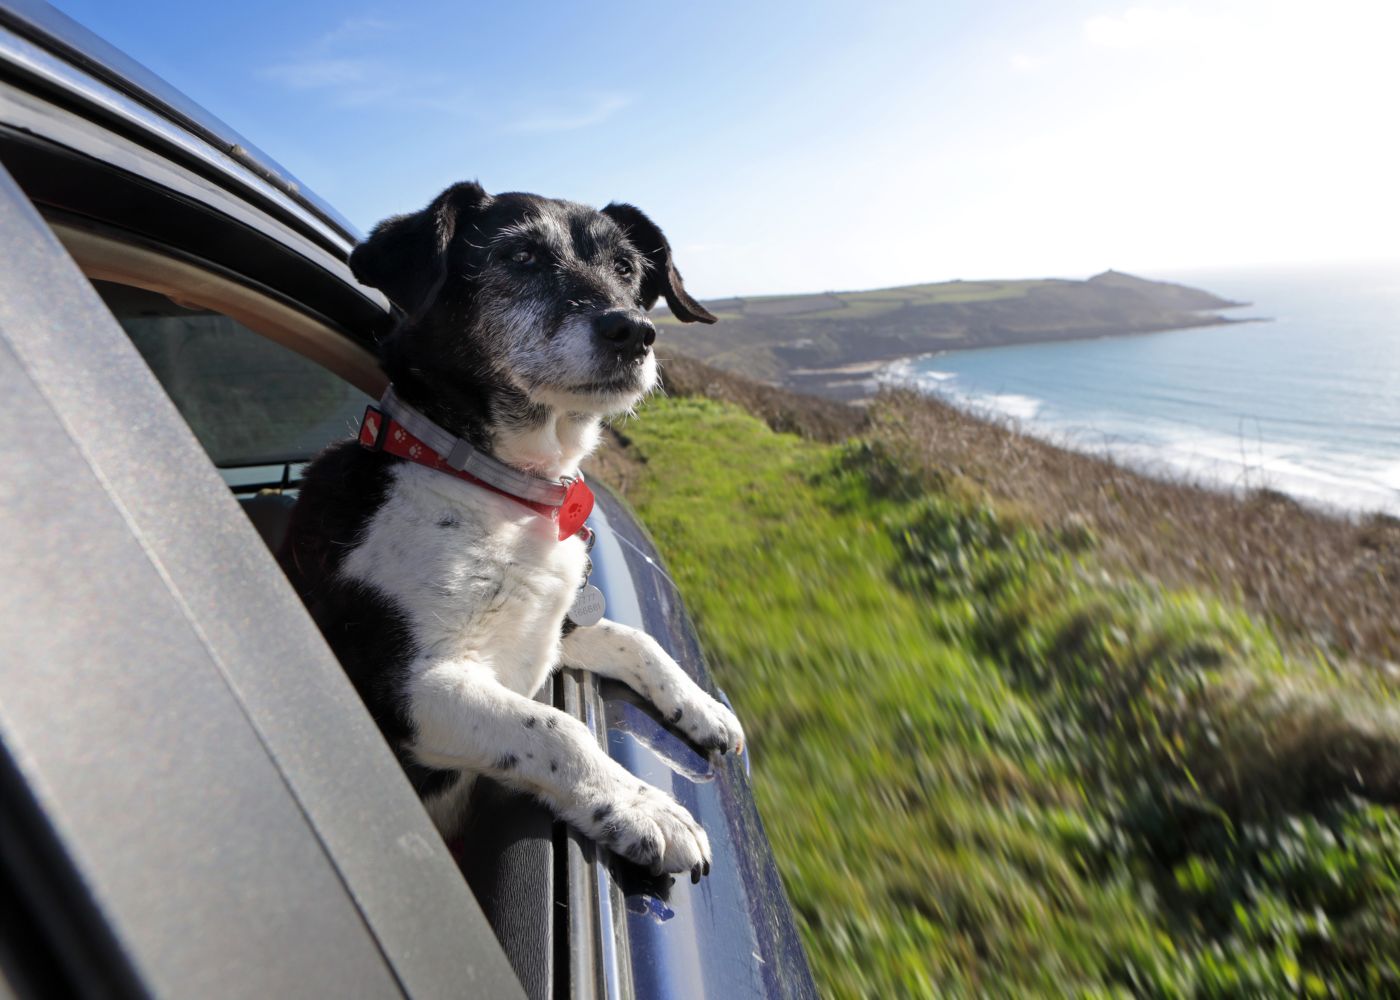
x,y
464,458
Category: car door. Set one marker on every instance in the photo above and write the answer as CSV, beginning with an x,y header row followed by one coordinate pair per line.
x,y
195,801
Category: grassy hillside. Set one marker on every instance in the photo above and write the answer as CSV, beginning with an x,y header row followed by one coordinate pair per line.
x,y
796,340
1325,584
991,762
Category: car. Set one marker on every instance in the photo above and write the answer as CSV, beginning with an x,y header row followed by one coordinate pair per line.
x,y
194,801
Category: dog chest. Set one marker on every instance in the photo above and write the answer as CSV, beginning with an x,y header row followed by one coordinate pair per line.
x,y
476,575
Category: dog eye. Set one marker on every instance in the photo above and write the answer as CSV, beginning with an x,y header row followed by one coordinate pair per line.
x,y
523,257
622,267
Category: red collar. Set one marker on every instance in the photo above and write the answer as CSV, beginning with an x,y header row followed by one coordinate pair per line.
x,y
381,433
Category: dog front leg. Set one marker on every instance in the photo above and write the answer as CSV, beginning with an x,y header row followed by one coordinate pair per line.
x,y
635,658
464,719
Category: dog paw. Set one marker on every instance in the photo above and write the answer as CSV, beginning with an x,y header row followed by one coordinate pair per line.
x,y
709,724
651,829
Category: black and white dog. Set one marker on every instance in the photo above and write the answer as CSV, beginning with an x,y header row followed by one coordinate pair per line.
x,y
433,560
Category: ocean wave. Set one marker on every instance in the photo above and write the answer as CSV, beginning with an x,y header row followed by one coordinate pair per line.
x,y
1011,404
1305,405
1335,480
908,373
1340,481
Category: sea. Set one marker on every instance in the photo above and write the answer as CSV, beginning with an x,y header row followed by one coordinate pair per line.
x,y
1304,400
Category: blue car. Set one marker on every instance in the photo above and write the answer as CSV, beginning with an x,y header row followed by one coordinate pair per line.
x,y
193,802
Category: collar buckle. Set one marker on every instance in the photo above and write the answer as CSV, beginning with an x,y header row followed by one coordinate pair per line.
x,y
460,454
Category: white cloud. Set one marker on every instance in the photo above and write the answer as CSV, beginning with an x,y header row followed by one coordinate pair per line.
x,y
355,29
1024,63
317,72
597,111
1142,27
349,68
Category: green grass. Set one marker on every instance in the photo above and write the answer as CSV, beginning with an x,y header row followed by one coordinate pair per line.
x,y
988,769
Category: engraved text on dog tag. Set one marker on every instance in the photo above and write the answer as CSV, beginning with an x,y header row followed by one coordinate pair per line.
x,y
588,607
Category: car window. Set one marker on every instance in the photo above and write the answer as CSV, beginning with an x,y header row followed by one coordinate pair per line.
x,y
249,400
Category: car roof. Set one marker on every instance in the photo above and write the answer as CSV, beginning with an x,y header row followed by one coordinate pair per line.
x,y
56,31
100,143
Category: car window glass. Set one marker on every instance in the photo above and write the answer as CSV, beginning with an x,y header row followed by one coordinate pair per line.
x,y
249,400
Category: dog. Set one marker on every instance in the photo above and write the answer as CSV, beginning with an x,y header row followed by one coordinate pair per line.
x,y
448,579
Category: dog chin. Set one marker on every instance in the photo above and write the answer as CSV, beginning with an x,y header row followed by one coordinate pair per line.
x,y
602,400
604,397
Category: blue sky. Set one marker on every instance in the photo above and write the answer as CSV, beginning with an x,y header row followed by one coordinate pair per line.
x,y
799,147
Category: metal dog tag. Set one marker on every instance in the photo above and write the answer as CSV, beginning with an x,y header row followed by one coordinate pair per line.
x,y
588,607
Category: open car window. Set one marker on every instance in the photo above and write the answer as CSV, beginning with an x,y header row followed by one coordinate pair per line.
x,y
249,400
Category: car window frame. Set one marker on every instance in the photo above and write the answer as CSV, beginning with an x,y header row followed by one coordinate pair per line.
x,y
105,256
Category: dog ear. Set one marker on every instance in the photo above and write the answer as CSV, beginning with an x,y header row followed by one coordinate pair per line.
x,y
661,277
405,257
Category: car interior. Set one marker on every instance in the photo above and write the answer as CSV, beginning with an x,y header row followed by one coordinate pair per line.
x,y
258,408
264,388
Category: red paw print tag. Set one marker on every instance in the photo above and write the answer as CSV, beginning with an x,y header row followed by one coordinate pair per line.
x,y
577,505
369,428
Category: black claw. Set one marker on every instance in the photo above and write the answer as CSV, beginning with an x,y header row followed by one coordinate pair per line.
x,y
706,869
695,875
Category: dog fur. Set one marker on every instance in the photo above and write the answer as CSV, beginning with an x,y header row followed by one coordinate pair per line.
x,y
524,328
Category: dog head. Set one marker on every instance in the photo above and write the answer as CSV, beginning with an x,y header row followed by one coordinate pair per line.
x,y
543,300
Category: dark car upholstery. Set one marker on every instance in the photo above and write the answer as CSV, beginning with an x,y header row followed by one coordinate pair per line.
x,y
271,512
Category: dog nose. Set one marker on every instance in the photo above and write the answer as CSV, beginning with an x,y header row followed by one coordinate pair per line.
x,y
627,331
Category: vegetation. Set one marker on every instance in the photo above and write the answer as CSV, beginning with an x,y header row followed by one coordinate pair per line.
x,y
1324,584
992,762
798,339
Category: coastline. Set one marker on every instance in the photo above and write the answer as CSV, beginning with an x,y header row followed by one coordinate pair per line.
x,y
1237,411
1327,477
857,382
